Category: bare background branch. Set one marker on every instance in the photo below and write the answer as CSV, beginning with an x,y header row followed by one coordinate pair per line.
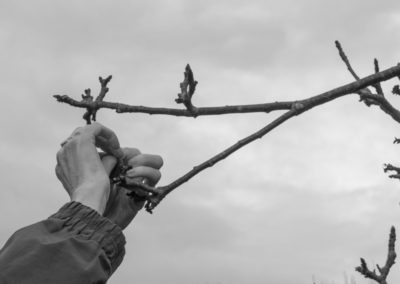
x,y
383,272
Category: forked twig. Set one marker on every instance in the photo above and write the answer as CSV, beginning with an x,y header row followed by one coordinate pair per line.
x,y
383,272
92,106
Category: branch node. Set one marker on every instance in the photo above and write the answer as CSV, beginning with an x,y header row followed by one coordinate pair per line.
x,y
297,106
367,97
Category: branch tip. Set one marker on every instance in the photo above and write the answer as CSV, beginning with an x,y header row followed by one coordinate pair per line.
x,y
106,80
344,58
377,86
379,268
392,237
58,98
363,263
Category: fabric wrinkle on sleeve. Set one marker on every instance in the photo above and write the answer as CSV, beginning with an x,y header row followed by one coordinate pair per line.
x,y
85,223
74,245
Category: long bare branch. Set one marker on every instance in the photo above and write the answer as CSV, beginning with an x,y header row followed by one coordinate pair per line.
x,y
200,111
123,108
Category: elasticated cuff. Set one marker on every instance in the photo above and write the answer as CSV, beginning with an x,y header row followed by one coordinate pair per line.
x,y
85,223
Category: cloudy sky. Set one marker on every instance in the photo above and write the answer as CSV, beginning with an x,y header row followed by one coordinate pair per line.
x,y
304,202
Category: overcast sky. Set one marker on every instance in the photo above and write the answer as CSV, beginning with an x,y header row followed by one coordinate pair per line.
x,y
305,201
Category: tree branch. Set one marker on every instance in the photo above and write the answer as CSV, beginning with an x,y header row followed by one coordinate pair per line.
x,y
346,60
296,109
389,167
201,111
252,108
383,272
377,99
188,86
362,92
396,90
87,100
384,105
365,94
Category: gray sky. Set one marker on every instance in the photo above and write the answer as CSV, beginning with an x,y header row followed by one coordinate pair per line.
x,y
308,199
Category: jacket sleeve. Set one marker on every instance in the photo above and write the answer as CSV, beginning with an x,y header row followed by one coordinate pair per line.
x,y
75,245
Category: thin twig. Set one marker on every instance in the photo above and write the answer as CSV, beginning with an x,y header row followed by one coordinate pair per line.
x,y
346,60
377,86
361,92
